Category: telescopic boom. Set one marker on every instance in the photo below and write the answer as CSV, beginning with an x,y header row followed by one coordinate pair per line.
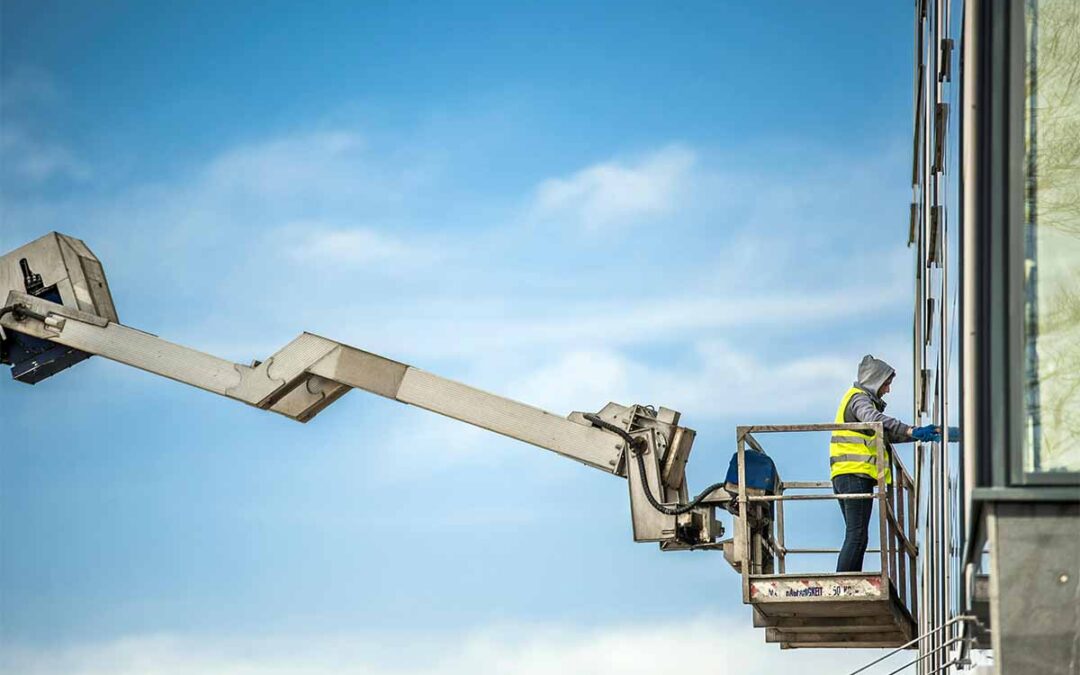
x,y
59,311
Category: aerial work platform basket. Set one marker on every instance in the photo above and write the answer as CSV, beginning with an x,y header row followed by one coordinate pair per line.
x,y
824,609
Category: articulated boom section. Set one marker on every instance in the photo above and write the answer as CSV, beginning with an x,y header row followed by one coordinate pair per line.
x,y
59,311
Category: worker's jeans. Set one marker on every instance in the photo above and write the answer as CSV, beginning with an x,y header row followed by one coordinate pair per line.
x,y
856,518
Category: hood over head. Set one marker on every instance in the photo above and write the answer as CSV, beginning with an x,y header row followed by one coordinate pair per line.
x,y
872,374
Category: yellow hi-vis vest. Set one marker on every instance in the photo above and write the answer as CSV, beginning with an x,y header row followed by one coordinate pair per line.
x,y
854,451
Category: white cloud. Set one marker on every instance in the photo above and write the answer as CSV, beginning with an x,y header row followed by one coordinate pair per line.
x,y
720,381
429,440
613,193
30,158
27,154
274,216
300,164
707,645
356,246
455,328
312,197
580,380
25,86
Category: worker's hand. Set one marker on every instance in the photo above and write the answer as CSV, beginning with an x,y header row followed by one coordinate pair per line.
x,y
927,433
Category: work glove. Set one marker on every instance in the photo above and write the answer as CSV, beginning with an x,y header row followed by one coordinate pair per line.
x,y
926,434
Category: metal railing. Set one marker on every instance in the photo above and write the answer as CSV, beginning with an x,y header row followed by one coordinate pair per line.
x,y
943,647
764,547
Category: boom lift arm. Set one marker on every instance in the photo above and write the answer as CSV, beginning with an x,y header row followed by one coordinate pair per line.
x,y
59,311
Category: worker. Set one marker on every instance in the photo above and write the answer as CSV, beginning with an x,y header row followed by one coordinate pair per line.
x,y
853,454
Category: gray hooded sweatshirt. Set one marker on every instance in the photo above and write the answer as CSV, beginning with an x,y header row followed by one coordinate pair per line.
x,y
867,406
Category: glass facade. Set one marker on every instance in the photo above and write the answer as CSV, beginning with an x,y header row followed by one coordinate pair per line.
x,y
1052,237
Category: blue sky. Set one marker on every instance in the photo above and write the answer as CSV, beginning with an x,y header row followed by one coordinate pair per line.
x,y
702,207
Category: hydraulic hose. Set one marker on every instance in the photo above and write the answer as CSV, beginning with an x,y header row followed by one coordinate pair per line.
x,y
637,447
21,313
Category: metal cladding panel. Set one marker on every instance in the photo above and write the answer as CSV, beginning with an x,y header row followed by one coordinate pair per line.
x,y
1035,587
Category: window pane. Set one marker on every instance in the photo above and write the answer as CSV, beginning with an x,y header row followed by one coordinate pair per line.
x,y
1052,236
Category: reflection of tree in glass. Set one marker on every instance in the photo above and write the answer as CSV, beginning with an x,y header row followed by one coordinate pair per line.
x,y
1054,210
1058,115
1059,374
